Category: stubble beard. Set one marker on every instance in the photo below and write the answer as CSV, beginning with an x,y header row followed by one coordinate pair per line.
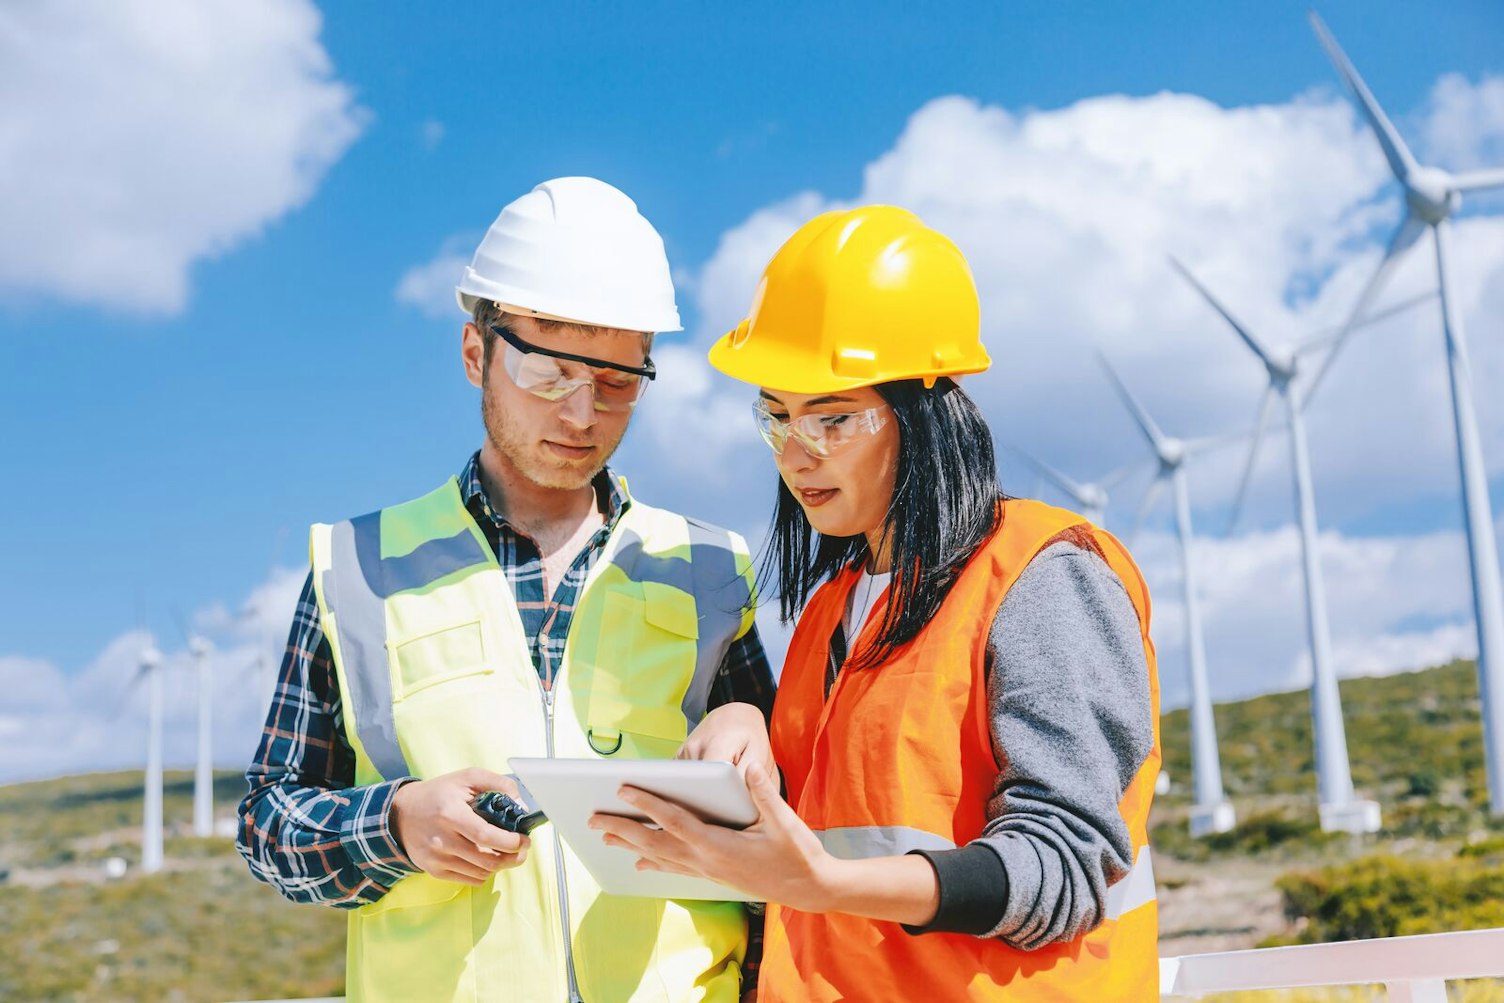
x,y
530,459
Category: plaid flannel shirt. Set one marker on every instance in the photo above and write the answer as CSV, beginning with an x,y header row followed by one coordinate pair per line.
x,y
306,828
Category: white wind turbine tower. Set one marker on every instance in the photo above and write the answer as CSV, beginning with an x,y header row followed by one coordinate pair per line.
x,y
150,662
203,775
1432,195
1339,810
1212,811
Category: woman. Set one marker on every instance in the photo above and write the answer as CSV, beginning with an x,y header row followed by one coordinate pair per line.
x,y
966,724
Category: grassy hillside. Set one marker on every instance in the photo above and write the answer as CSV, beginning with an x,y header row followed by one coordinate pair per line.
x,y
1415,742
201,929
204,930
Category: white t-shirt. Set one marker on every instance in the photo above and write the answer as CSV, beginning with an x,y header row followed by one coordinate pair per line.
x,y
860,603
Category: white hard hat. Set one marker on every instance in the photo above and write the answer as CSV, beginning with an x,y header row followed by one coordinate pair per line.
x,y
574,249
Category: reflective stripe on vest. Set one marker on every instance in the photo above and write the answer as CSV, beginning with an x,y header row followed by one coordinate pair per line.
x,y
356,587
854,842
1134,889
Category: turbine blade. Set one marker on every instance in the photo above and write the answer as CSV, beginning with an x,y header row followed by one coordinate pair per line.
x,y
1253,455
1115,478
1248,338
1049,473
1478,181
1401,162
1330,334
1408,233
1150,495
1145,423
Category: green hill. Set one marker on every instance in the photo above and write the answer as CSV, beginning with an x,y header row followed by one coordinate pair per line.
x,y
1415,743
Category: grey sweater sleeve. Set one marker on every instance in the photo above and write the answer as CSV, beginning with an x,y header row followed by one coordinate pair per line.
x,y
1068,690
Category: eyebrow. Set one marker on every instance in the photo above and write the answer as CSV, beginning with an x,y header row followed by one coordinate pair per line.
x,y
825,399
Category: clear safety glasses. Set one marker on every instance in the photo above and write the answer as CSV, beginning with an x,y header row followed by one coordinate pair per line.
x,y
821,435
553,375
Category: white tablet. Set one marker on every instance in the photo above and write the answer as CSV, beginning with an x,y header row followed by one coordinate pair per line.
x,y
571,790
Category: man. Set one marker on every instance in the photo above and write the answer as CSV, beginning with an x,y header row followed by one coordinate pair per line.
x,y
528,607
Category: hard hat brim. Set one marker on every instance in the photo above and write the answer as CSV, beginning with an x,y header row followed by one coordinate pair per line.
x,y
772,365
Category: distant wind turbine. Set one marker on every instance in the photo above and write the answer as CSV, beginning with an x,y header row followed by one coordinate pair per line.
x,y
1089,498
1432,195
203,774
1339,810
1212,811
149,660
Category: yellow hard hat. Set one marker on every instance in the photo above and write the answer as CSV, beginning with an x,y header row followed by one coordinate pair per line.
x,y
857,298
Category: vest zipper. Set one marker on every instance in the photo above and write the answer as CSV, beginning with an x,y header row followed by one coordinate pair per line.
x,y
563,884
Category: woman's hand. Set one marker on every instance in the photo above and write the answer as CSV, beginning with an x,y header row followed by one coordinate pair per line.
x,y
736,733
776,859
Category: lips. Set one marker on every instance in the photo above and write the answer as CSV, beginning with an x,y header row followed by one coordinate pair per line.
x,y
815,497
567,450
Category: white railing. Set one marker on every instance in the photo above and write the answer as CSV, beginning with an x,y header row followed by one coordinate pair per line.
x,y
1413,969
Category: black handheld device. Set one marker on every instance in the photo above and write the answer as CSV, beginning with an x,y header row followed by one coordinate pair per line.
x,y
505,812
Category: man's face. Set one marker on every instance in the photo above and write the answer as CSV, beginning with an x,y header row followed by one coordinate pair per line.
x,y
554,444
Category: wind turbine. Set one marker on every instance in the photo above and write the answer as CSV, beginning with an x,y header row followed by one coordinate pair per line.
x,y
149,661
203,774
1432,195
1339,810
1091,499
1212,811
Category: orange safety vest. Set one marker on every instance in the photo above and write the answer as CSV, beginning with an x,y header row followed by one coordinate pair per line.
x,y
900,757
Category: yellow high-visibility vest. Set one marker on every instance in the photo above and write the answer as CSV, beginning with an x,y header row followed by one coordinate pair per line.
x,y
435,676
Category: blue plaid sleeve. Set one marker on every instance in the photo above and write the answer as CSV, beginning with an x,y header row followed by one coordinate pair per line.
x,y
306,829
744,676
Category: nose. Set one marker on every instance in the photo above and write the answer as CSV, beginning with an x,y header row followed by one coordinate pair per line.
x,y
578,409
795,457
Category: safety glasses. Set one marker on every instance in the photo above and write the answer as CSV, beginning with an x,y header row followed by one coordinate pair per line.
x,y
553,375
821,435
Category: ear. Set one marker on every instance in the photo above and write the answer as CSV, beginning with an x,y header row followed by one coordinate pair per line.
x,y
473,353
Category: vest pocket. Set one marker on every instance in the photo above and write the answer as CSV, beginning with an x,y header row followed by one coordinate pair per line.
x,y
633,689
418,910
438,656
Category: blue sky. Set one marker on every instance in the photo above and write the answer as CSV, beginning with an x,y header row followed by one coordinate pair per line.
x,y
180,401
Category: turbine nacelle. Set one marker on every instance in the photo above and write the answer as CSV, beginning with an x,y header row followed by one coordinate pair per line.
x,y
1171,452
1430,194
1282,364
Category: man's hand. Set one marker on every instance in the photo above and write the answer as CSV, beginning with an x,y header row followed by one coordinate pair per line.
x,y
442,834
735,733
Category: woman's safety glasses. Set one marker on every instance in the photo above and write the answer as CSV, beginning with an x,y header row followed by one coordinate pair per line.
x,y
821,435
553,375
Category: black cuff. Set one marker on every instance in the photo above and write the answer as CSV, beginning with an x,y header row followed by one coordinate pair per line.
x,y
973,891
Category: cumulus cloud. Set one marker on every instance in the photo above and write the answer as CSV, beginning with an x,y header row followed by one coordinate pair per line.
x,y
1067,217
142,138
429,287
55,723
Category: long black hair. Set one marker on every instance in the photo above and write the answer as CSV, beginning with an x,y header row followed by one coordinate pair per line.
x,y
944,506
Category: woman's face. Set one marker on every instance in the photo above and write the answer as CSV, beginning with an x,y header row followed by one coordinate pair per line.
x,y
848,492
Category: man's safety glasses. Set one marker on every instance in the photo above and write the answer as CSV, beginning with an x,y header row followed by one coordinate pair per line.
x,y
821,435
553,375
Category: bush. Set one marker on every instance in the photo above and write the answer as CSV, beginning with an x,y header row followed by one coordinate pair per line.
x,y
1388,896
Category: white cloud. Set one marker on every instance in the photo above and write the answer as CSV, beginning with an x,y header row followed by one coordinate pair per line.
x,y
429,287
1394,604
1464,123
431,133
96,719
143,137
